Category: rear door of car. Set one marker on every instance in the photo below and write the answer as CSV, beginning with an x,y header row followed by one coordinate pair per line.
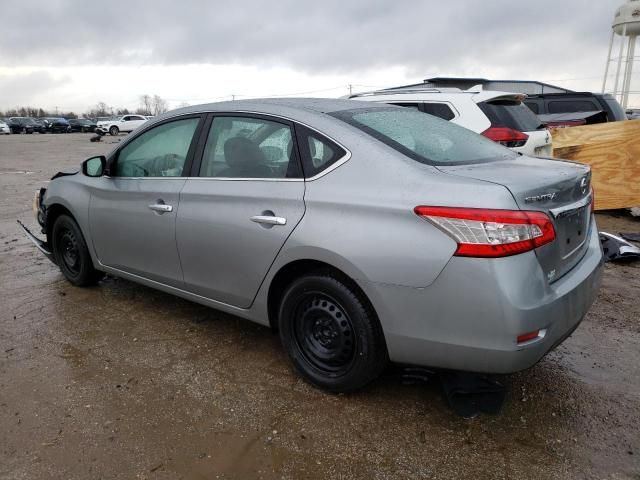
x,y
243,200
133,209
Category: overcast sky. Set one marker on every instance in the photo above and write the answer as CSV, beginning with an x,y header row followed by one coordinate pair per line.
x,y
72,54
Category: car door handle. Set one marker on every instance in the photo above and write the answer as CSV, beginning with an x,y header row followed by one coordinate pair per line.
x,y
269,220
161,208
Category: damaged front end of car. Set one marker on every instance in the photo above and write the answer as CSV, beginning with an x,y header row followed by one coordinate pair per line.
x,y
40,212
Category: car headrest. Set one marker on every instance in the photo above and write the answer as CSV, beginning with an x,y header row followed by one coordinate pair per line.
x,y
241,151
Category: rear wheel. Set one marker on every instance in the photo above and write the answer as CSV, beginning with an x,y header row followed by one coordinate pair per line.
x,y
114,131
71,253
332,336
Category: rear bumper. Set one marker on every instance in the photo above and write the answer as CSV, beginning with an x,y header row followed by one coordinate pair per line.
x,y
470,317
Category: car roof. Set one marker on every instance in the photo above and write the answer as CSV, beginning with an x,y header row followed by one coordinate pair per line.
x,y
297,107
477,94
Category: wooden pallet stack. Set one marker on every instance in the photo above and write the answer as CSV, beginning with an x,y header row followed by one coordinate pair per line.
x,y
613,151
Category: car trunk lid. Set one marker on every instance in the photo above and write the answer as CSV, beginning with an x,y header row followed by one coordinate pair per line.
x,y
558,188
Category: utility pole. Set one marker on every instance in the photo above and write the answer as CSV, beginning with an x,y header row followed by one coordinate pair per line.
x,y
56,110
350,89
233,97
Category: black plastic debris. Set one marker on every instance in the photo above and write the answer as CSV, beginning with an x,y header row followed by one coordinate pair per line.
x,y
632,237
617,249
470,394
416,375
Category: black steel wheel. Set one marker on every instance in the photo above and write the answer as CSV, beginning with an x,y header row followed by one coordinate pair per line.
x,y
324,332
71,253
331,333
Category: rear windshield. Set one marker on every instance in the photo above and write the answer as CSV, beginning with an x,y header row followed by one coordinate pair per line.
x,y
511,114
424,138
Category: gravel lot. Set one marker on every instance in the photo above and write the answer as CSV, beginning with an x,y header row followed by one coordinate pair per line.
x,y
121,381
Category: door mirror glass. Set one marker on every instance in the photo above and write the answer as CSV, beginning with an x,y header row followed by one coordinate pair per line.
x,y
94,167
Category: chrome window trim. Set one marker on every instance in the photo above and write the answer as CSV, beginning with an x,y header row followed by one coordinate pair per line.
x,y
341,161
338,163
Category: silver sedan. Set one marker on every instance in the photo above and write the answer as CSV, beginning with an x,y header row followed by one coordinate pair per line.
x,y
362,233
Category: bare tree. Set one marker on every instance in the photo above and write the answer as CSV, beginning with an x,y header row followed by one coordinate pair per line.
x,y
159,105
146,103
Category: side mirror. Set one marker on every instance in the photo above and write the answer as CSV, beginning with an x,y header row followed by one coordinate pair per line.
x,y
94,166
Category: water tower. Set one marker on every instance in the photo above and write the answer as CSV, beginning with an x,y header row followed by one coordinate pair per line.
x,y
626,24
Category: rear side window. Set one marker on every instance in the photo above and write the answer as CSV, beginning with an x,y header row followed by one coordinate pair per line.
x,y
415,106
510,114
440,110
248,147
570,106
533,106
318,152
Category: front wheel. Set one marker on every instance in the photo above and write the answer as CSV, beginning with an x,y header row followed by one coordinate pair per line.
x,y
114,131
331,334
71,253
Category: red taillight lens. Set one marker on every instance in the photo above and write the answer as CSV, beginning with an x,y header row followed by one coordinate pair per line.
x,y
506,136
527,337
491,233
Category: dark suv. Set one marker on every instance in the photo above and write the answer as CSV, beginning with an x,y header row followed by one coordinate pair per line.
x,y
21,125
605,108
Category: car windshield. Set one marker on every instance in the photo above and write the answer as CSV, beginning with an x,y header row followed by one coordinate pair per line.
x,y
424,138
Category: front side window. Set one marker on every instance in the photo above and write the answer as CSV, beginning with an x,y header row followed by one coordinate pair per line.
x,y
159,152
245,147
424,138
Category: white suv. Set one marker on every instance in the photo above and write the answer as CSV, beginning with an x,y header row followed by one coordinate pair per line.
x,y
500,116
126,123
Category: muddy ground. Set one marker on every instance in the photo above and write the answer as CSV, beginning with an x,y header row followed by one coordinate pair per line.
x,y
121,381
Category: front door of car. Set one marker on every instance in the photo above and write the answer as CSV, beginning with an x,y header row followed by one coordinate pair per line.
x,y
132,211
244,201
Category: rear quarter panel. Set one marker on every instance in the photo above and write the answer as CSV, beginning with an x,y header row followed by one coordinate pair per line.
x,y
361,214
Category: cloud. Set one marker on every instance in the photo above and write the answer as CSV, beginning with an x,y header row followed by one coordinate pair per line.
x,y
332,36
30,88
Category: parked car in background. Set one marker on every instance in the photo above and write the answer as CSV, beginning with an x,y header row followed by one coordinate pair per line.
x,y
21,125
82,125
500,116
126,124
363,232
39,125
4,127
57,125
594,107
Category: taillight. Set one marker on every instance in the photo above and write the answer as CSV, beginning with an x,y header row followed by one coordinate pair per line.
x,y
491,233
506,136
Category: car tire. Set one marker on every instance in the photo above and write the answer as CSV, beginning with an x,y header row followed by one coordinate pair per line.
x,y
114,131
71,253
331,333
